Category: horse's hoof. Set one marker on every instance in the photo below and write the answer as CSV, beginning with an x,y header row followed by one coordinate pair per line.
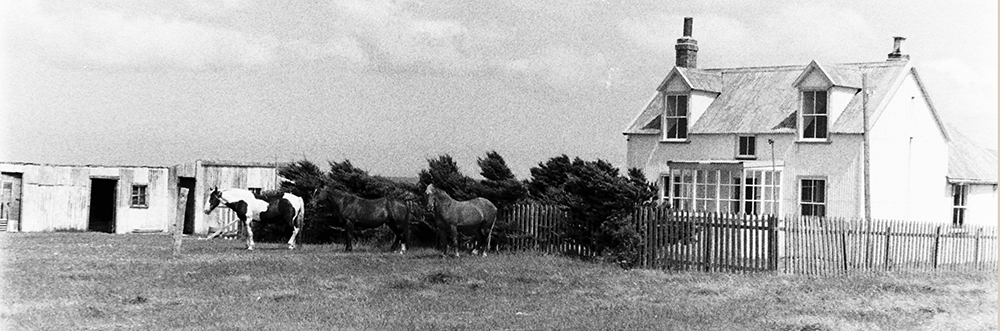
x,y
249,248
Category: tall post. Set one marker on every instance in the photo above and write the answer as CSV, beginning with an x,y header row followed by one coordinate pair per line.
x,y
178,225
866,177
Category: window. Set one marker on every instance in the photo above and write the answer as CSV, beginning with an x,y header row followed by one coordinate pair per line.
x,y
813,197
255,191
725,190
814,115
675,120
960,194
747,147
139,196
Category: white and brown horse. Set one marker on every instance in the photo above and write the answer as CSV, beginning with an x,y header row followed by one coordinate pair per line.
x,y
288,208
451,217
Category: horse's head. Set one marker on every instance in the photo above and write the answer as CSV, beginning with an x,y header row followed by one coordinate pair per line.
x,y
212,200
430,195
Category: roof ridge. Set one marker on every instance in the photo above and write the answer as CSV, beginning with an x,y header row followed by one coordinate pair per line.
x,y
856,65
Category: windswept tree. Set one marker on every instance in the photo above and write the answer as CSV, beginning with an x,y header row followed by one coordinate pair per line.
x,y
598,199
499,186
443,172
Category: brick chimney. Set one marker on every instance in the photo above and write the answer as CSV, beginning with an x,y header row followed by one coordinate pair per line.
x,y
687,47
897,53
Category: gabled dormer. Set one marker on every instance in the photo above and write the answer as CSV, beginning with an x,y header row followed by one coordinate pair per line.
x,y
686,93
824,93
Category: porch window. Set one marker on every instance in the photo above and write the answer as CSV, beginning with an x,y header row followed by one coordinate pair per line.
x,y
727,190
960,193
139,196
813,197
814,115
675,121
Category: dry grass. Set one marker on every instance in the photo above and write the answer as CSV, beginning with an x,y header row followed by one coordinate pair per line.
x,y
89,281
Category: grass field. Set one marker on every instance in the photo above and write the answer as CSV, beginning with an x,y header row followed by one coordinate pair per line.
x,y
90,281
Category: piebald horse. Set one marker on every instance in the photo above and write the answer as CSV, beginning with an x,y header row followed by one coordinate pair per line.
x,y
360,213
248,208
451,217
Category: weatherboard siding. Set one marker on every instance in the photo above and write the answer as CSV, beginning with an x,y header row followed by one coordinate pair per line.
x,y
211,175
909,160
57,197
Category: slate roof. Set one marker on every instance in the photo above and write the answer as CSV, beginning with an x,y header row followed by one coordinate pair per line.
x,y
764,99
968,162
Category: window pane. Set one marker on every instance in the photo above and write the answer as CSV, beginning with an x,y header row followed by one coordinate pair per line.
x,y
671,105
820,195
807,190
751,146
682,105
820,102
807,103
682,131
671,127
820,127
808,127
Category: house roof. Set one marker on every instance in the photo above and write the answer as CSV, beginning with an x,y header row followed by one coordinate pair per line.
x,y
968,162
765,99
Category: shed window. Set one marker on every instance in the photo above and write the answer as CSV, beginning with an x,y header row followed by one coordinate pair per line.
x,y
255,190
139,196
813,197
676,118
814,115
960,193
746,147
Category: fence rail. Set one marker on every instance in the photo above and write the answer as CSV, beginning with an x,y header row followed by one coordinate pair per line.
x,y
680,240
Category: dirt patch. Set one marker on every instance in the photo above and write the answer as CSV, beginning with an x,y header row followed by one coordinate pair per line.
x,y
443,277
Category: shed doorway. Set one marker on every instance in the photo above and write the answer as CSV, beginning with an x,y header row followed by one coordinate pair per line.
x,y
102,205
188,182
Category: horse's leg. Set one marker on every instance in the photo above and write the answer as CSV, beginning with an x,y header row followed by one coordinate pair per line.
x,y
349,228
406,233
453,232
295,232
248,221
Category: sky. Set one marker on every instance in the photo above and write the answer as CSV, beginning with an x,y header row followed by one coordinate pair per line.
x,y
389,84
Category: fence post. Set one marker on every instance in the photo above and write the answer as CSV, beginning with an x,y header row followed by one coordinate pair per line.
x,y
843,245
178,227
707,257
888,230
975,254
937,243
772,244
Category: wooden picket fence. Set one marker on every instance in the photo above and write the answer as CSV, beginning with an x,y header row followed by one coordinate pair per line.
x,y
680,240
832,246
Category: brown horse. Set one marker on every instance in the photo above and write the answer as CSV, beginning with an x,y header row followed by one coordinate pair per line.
x,y
358,213
476,216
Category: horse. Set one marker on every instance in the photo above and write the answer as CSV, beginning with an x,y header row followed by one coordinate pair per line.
x,y
288,208
360,213
476,216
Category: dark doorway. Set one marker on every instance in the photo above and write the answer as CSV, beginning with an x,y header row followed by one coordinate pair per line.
x,y
102,205
10,201
188,183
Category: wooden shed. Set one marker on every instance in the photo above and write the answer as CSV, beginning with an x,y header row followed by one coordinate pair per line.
x,y
201,176
115,199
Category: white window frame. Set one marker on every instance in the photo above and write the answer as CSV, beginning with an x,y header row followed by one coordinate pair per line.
x,y
740,150
960,204
815,114
668,118
139,197
723,190
824,203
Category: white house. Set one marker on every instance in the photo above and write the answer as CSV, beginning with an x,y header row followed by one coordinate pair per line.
x,y
790,140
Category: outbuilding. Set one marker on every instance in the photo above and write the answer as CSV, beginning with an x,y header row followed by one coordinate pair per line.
x,y
38,197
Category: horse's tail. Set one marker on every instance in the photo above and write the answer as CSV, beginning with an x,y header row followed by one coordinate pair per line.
x,y
489,235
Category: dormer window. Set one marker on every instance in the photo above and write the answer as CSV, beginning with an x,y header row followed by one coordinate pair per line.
x,y
675,120
815,115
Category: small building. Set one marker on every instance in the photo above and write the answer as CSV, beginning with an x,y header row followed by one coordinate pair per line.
x,y
791,140
115,199
201,176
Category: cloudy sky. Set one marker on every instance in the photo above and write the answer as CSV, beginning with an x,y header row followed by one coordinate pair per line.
x,y
388,84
